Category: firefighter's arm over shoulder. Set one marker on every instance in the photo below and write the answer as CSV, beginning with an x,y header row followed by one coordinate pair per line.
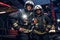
x,y
48,22
50,25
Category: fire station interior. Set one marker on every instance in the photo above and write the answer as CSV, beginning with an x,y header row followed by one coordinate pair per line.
x,y
9,6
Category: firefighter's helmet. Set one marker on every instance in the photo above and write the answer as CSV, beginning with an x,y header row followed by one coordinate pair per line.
x,y
37,7
29,2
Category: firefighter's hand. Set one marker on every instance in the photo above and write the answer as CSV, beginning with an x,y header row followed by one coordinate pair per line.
x,y
12,28
21,29
53,27
47,29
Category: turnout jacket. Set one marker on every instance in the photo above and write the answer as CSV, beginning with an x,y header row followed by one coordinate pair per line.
x,y
22,18
41,23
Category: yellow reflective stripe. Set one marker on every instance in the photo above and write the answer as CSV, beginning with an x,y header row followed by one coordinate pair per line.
x,y
15,24
26,22
27,30
49,26
39,32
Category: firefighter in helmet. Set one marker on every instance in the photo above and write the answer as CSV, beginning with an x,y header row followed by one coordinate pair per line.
x,y
22,20
42,24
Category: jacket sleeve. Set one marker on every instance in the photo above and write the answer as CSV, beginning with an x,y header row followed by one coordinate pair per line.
x,y
14,20
48,21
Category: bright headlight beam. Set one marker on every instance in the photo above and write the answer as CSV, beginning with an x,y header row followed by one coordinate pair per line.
x,y
58,20
2,12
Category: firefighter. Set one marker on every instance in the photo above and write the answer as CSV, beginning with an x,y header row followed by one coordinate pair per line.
x,y
42,24
22,20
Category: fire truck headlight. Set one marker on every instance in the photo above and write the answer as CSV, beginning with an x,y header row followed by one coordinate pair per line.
x,y
58,20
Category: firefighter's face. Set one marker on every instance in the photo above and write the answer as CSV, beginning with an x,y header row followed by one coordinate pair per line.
x,y
38,11
46,6
29,7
